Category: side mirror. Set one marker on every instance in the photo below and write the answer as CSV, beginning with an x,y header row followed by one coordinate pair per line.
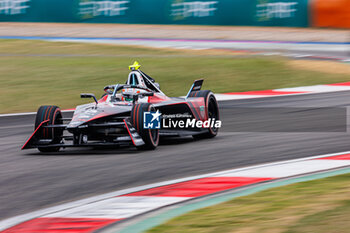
x,y
109,89
88,95
157,85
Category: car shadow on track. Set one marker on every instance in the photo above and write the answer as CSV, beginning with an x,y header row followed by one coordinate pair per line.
x,y
110,150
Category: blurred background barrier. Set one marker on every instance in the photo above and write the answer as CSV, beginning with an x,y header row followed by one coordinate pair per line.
x,y
331,13
285,13
206,12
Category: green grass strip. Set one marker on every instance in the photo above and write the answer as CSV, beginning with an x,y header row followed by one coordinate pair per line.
x,y
34,73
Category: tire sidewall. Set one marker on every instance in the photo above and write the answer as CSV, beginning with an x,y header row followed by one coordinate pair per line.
x,y
54,116
208,96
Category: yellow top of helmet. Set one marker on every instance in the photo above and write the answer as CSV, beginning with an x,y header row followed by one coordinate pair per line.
x,y
135,66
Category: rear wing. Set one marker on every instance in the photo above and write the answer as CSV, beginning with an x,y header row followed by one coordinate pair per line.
x,y
196,86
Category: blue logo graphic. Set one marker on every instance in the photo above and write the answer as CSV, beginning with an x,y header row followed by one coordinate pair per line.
x,y
151,120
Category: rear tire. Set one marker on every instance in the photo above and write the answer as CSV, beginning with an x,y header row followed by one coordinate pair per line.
x,y
54,115
149,136
212,111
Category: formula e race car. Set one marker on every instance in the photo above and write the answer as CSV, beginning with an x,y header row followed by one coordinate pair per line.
x,y
136,113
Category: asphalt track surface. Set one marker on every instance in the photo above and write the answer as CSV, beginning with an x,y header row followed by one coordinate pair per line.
x,y
30,180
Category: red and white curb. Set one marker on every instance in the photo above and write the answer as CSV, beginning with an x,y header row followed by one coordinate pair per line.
x,y
285,91
95,213
254,94
30,113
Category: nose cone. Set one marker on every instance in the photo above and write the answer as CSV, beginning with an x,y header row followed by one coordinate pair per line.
x,y
84,114
90,112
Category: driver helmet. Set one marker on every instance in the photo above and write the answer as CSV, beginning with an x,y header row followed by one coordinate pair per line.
x,y
134,79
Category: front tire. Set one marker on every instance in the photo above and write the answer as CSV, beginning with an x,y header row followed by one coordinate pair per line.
x,y
54,115
149,136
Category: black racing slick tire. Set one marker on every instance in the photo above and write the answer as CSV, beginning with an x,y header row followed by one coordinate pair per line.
x,y
212,112
149,136
54,116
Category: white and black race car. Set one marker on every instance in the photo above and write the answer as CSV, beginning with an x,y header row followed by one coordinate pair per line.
x,y
136,113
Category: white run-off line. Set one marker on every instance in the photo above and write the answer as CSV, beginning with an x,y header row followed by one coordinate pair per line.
x,y
127,203
253,94
283,92
25,113
217,44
